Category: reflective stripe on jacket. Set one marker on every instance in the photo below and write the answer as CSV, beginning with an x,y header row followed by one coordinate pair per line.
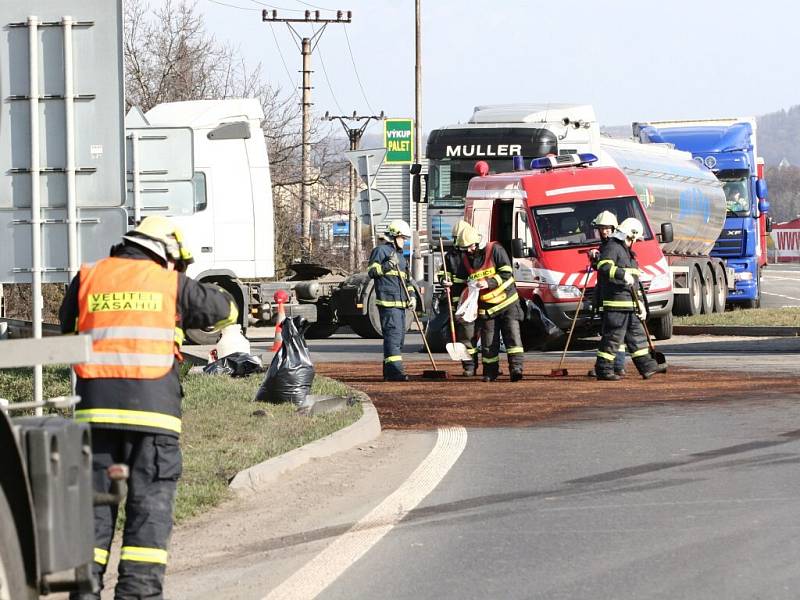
x,y
502,291
615,260
129,308
388,280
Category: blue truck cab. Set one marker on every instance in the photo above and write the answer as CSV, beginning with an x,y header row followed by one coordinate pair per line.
x,y
728,148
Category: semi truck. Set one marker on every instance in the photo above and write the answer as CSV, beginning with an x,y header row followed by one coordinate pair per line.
x,y
729,148
673,189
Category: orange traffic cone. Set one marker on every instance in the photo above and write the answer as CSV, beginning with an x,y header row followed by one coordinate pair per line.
x,y
276,345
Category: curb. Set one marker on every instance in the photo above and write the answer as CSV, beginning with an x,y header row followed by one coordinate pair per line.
x,y
737,330
366,429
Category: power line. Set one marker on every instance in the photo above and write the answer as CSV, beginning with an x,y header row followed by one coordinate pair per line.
x,y
231,5
283,60
327,80
275,7
347,37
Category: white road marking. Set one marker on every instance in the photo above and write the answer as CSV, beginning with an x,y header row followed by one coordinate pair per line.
x,y
328,565
780,296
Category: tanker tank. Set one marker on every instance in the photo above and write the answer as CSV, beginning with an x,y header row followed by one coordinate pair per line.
x,y
673,188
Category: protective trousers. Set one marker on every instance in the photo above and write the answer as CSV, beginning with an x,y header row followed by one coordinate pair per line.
x,y
465,333
155,467
622,327
393,325
507,322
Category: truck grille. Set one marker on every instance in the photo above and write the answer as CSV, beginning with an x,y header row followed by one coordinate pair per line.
x,y
729,243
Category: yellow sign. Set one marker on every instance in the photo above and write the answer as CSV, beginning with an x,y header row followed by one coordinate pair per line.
x,y
117,301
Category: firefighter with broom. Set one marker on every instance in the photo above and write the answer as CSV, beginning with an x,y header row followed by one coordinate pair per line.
x,y
387,268
465,332
605,223
623,310
489,270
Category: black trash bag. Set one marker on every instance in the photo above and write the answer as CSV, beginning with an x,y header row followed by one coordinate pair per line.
x,y
238,364
291,372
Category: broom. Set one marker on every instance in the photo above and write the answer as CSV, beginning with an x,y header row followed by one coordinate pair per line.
x,y
561,371
428,373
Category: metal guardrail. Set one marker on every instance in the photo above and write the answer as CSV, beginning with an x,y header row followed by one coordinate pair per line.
x,y
17,328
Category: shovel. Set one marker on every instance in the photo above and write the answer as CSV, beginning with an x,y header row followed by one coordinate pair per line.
x,y
561,371
456,350
428,373
655,354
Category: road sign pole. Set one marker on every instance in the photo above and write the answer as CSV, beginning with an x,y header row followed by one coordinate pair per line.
x,y
36,209
369,201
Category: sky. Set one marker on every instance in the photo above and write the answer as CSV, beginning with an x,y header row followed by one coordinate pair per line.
x,y
631,60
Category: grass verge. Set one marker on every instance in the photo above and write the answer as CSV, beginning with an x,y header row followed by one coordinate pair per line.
x,y
224,431
763,317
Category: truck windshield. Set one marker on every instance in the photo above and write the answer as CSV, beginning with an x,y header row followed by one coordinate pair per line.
x,y
448,179
567,225
737,196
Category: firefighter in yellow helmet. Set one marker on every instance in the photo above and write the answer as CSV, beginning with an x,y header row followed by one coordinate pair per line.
x,y
465,332
134,305
388,269
606,224
617,273
489,269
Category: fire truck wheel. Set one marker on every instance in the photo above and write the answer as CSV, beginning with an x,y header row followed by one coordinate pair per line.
x,y
12,572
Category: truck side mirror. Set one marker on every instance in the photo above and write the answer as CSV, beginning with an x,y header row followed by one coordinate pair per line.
x,y
666,235
763,206
761,190
768,224
518,249
416,183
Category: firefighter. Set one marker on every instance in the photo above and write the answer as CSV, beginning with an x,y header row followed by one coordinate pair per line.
x,y
605,223
135,305
465,332
387,267
498,306
618,273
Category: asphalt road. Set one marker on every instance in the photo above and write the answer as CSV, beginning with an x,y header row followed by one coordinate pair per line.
x,y
669,502
691,501
781,286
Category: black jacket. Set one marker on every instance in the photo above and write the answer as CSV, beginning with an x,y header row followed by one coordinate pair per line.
x,y
198,306
388,290
615,260
452,260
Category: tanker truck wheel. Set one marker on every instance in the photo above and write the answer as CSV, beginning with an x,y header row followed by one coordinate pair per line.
x,y
720,289
708,289
691,303
12,571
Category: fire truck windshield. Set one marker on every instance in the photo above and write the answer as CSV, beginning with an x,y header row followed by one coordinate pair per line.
x,y
570,224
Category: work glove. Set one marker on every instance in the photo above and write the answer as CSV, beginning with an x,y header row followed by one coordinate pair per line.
x,y
594,254
481,284
446,283
641,309
629,279
390,265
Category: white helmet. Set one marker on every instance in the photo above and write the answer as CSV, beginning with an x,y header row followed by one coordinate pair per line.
x,y
605,219
397,228
630,228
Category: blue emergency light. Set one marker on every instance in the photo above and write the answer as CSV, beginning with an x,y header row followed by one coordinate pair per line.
x,y
563,160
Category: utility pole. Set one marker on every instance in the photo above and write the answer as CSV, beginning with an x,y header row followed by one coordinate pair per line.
x,y
307,46
417,265
354,135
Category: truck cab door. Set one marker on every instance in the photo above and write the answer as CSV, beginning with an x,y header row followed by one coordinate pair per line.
x,y
523,265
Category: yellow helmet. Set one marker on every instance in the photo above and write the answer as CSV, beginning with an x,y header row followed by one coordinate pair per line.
x,y
458,226
467,237
605,219
162,237
398,228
